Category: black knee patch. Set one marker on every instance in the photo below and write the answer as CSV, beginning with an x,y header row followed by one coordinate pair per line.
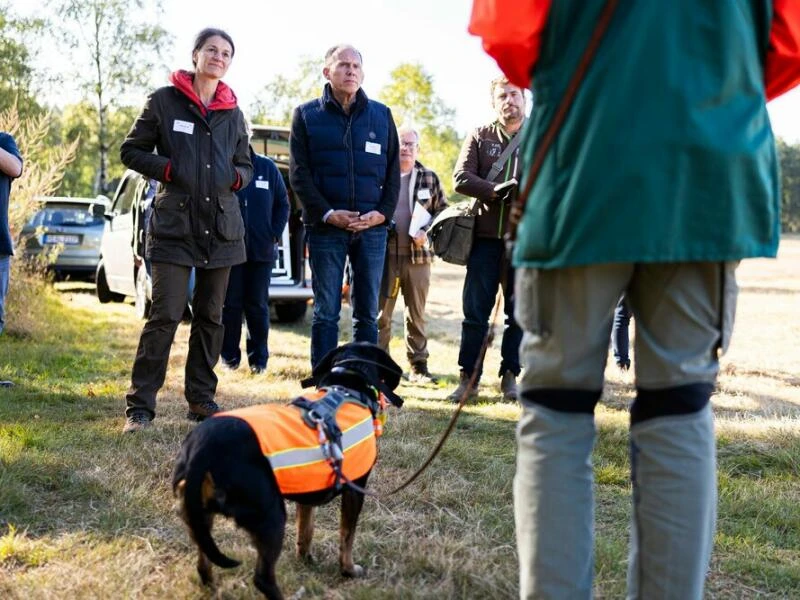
x,y
680,400
567,401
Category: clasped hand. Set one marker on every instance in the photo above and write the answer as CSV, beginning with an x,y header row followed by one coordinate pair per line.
x,y
354,221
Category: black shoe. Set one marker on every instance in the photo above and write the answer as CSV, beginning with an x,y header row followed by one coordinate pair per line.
x,y
624,365
258,370
136,421
198,411
6,384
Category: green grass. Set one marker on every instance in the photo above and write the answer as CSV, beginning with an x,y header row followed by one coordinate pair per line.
x,y
86,512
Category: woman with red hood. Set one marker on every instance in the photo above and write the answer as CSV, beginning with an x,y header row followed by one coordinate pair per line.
x,y
191,138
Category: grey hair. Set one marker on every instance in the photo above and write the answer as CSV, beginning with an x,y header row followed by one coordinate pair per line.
x,y
333,52
408,129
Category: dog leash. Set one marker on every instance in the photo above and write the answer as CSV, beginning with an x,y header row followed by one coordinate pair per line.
x,y
336,465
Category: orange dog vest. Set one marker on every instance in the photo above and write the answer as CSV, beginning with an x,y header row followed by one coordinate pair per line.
x,y
293,448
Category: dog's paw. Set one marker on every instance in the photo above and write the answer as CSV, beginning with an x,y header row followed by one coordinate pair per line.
x,y
353,571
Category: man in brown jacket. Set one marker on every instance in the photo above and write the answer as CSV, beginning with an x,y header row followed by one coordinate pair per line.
x,y
482,165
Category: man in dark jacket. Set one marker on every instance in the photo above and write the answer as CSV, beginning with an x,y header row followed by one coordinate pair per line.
x,y
344,169
265,209
476,174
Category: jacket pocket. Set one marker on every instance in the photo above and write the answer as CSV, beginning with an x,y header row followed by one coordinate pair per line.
x,y
171,218
230,225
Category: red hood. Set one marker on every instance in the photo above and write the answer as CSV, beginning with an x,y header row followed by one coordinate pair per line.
x,y
224,98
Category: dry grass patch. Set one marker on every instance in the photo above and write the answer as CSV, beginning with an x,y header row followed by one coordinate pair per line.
x,y
88,513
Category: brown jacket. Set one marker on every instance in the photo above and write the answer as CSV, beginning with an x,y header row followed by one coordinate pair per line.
x,y
480,150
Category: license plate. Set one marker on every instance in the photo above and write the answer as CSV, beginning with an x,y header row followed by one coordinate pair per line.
x,y
60,238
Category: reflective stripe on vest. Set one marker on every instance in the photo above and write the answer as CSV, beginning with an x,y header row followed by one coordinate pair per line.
x,y
293,448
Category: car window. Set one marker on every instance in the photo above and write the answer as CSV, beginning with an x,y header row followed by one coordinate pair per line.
x,y
71,215
124,200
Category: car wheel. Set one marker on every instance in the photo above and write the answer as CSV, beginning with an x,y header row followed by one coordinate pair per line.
x,y
143,299
289,312
105,295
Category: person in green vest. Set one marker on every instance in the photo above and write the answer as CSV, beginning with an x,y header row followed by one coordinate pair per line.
x,y
662,176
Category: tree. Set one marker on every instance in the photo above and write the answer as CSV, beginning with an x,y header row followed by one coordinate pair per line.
x,y
123,49
79,122
790,186
413,100
276,102
44,164
17,76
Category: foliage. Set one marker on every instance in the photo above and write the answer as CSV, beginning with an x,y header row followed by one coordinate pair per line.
x,y
17,75
276,102
790,186
412,97
109,35
80,122
43,163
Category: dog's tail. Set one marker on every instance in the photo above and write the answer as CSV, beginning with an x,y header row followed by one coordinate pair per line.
x,y
197,488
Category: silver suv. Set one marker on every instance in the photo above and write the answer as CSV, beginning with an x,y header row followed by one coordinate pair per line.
x,y
122,270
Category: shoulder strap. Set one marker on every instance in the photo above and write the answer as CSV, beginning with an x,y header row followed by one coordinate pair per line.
x,y
518,207
500,162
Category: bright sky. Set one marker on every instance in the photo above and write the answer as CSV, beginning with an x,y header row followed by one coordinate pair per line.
x,y
271,36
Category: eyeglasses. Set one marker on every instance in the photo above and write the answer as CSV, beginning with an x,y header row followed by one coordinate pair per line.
x,y
408,144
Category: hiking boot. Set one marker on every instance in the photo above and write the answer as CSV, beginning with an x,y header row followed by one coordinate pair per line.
x,y
463,386
508,386
420,374
136,421
198,411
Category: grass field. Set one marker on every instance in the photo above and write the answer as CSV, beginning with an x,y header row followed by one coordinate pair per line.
x,y
86,512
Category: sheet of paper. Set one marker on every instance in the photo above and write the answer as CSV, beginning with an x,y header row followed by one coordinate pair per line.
x,y
419,218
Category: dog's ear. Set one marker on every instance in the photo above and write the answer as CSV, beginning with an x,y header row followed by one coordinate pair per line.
x,y
323,367
390,371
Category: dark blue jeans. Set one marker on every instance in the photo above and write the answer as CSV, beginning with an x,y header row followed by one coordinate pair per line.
x,y
619,332
327,249
480,289
248,293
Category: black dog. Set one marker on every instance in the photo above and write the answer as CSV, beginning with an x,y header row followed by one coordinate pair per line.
x,y
224,468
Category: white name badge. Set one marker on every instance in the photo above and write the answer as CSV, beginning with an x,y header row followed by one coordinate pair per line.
x,y
183,126
424,194
372,148
260,183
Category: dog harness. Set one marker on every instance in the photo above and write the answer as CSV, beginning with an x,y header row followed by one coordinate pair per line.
x,y
319,440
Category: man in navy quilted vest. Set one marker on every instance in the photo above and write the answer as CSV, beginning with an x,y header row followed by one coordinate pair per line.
x,y
344,168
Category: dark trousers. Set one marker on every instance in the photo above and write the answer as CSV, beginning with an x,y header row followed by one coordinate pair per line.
x,y
620,341
205,337
480,289
248,294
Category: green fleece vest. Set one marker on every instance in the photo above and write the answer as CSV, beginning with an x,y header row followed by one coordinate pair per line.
x,y
667,154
